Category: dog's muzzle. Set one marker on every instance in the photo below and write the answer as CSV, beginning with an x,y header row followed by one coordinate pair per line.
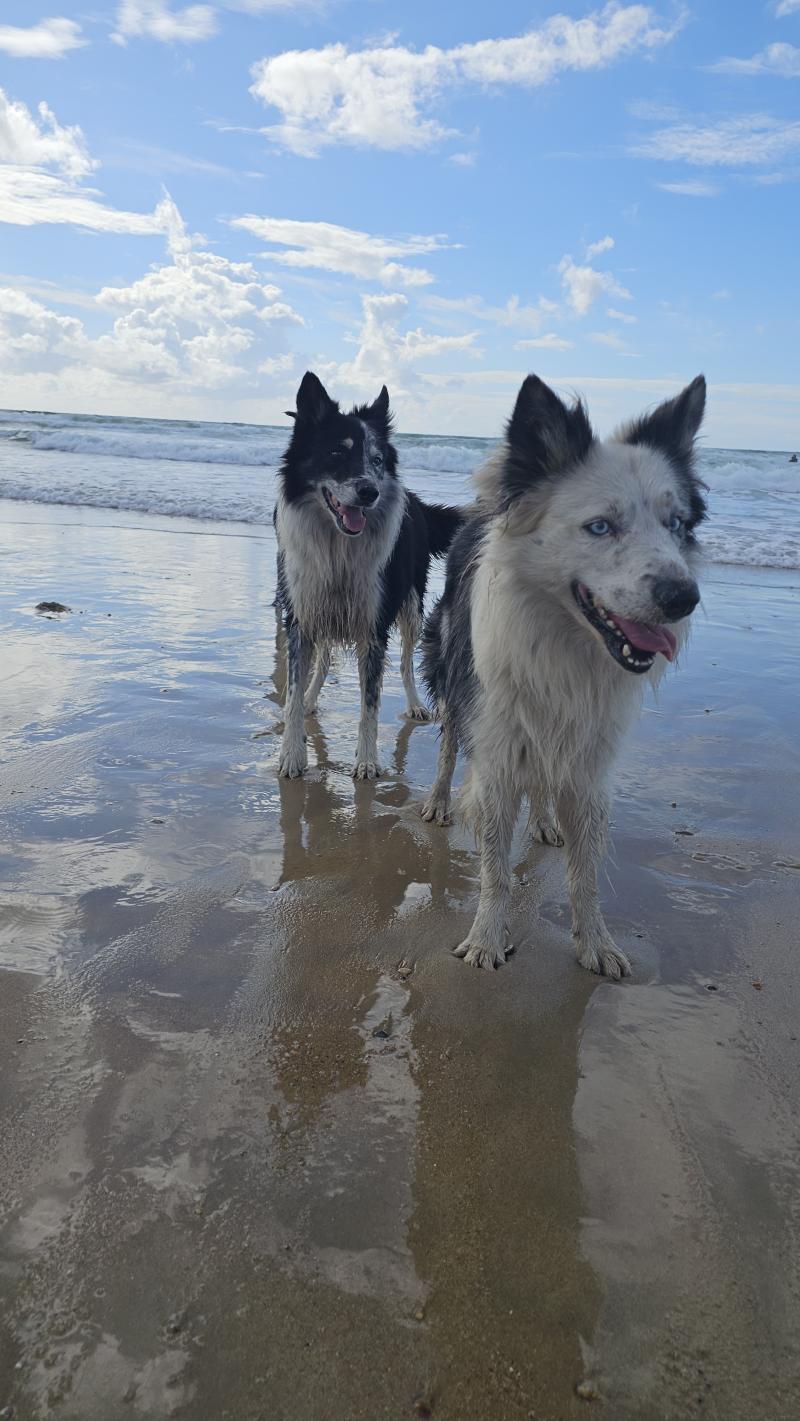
x,y
351,518
633,645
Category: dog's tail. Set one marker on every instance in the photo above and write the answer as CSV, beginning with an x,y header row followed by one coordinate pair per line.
x,y
443,524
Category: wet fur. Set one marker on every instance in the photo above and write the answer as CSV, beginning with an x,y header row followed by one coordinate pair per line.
x,y
338,590
523,684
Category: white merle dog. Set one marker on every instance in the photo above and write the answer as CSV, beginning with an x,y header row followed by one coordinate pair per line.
x,y
564,594
354,550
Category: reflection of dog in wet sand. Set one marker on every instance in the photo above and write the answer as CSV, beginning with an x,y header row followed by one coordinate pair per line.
x,y
354,550
565,591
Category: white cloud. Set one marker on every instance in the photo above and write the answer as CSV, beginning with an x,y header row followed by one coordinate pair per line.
x,y
49,39
30,194
513,314
691,187
195,323
29,197
584,284
463,160
154,19
780,59
731,142
623,316
380,96
786,7
325,246
43,143
33,337
610,338
595,249
548,341
386,355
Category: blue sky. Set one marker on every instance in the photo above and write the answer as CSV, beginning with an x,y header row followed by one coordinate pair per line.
x,y
198,202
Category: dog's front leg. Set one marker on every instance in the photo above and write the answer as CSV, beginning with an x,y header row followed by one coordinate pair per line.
x,y
371,660
488,944
294,756
584,820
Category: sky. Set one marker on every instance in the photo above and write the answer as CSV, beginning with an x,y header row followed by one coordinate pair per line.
x,y
199,202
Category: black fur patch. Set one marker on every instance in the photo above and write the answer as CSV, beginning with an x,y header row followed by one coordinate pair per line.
x,y
545,437
672,429
447,659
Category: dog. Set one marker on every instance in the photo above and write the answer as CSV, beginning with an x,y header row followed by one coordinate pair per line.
x,y
566,592
354,551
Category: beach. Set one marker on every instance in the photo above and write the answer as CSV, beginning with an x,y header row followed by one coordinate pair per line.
x,y
269,1149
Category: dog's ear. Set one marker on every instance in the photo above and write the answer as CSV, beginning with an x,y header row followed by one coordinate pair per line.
x,y
313,400
545,437
290,414
378,412
673,426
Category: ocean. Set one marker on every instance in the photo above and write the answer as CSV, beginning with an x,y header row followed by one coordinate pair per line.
x,y
226,473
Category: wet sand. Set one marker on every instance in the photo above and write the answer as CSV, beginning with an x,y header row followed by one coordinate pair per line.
x,y
268,1149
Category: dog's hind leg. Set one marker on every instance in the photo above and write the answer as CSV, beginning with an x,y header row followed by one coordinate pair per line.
x,y
322,666
584,820
410,624
371,661
487,944
294,756
437,806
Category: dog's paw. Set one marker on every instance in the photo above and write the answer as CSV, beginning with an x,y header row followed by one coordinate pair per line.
x,y
603,957
293,761
480,954
545,831
420,713
366,770
436,811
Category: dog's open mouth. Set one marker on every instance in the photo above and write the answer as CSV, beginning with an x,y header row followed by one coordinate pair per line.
x,y
634,645
351,519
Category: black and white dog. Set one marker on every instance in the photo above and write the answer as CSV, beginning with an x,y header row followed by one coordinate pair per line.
x,y
565,594
354,550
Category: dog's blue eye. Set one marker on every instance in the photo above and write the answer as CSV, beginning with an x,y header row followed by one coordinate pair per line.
x,y
675,523
598,527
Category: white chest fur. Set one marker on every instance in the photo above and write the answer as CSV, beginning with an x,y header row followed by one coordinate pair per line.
x,y
335,583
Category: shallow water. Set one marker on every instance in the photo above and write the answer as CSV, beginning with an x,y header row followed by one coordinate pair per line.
x,y
268,1148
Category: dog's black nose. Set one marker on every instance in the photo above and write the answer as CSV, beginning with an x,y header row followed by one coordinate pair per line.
x,y
676,597
367,493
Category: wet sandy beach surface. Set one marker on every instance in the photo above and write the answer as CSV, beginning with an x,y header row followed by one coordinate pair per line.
x,y
268,1149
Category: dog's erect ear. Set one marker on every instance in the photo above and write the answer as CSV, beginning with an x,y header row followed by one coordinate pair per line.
x,y
545,437
378,411
673,426
290,414
313,400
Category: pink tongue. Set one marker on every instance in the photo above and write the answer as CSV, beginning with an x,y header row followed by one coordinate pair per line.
x,y
646,638
353,519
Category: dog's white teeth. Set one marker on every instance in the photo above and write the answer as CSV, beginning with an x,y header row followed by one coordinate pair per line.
x,y
626,651
600,609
